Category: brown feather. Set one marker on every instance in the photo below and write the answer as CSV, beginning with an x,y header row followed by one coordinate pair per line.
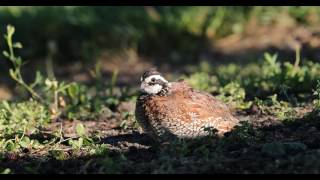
x,y
183,112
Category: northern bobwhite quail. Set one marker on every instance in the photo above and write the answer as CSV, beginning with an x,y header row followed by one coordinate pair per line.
x,y
167,110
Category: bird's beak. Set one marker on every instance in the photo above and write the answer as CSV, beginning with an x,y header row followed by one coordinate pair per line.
x,y
160,82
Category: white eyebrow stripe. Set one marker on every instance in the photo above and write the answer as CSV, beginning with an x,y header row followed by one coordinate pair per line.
x,y
156,77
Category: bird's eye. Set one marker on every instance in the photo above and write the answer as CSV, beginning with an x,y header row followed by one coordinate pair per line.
x,y
153,80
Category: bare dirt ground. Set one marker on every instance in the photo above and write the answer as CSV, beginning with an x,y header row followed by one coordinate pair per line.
x,y
140,149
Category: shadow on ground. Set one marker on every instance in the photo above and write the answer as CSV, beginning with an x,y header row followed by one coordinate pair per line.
x,y
257,146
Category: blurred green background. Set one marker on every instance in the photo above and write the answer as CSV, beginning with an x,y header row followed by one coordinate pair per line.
x,y
173,39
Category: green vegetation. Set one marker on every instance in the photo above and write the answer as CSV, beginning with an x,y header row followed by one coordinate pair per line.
x,y
146,29
316,101
56,124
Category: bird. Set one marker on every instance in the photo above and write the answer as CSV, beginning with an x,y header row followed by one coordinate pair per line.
x,y
174,110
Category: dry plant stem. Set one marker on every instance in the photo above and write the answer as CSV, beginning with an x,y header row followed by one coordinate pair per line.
x,y
297,61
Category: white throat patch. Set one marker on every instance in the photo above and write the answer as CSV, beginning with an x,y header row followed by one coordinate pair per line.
x,y
152,89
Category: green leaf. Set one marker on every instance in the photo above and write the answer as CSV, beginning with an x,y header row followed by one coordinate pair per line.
x,y
24,144
6,105
80,130
6,171
10,30
58,154
270,58
48,83
6,54
87,141
38,79
18,61
73,90
76,143
80,142
17,45
10,146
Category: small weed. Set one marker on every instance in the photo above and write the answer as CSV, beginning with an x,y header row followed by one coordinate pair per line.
x,y
243,135
6,171
202,81
83,138
15,73
129,121
316,93
233,94
272,106
25,117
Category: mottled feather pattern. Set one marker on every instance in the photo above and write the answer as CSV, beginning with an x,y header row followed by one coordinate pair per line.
x,y
183,112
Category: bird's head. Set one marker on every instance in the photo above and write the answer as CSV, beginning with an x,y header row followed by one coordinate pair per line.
x,y
152,82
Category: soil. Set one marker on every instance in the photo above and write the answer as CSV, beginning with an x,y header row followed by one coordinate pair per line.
x,y
140,149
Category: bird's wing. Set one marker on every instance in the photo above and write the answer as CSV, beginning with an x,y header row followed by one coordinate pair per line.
x,y
185,105
197,101
212,110
202,106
